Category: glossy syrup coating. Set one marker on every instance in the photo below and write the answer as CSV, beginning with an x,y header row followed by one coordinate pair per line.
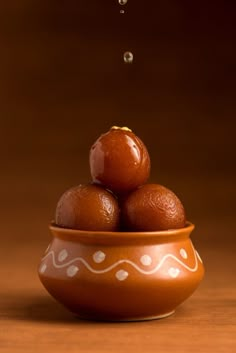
x,y
119,160
152,207
88,207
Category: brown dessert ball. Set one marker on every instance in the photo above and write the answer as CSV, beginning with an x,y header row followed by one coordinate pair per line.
x,y
152,207
119,160
88,207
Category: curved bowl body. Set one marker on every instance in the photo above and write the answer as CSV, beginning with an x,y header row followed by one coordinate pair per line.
x,y
121,276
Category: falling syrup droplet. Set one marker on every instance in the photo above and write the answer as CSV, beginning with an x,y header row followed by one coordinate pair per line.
x,y
128,57
122,11
123,2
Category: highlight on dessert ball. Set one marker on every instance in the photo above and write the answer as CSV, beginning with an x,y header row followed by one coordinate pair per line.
x,y
119,198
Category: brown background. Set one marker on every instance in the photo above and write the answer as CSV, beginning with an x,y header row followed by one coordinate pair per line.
x,y
62,83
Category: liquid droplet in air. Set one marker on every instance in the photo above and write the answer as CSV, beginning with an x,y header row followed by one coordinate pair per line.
x,y
123,2
128,57
122,11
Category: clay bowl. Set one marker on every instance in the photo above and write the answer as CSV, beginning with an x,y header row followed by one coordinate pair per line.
x,y
119,276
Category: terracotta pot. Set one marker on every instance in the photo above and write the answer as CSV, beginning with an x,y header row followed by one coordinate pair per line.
x,y
120,276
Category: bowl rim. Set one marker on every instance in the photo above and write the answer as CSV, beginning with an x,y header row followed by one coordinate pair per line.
x,y
123,236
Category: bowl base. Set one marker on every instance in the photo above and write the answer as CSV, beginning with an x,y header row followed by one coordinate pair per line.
x,y
148,318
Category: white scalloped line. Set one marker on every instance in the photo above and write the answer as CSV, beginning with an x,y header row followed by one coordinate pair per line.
x,y
124,261
199,258
47,248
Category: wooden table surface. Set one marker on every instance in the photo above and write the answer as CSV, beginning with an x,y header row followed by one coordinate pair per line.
x,y
30,320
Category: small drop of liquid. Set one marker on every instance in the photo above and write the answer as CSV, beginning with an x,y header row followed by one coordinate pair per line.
x,y
123,2
128,57
122,11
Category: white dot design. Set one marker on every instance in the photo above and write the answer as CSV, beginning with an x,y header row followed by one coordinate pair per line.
x,y
183,253
72,267
121,275
173,272
43,268
63,254
72,270
146,260
99,257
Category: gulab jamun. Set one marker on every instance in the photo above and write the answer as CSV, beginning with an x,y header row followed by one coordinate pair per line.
x,y
88,207
152,207
119,160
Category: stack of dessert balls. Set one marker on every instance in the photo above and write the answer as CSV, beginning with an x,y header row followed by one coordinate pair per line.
x,y
119,198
